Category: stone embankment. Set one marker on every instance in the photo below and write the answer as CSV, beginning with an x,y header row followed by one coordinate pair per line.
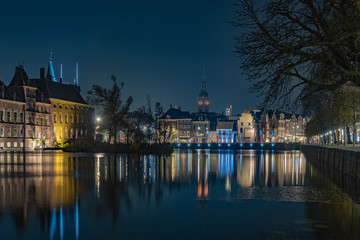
x,y
334,158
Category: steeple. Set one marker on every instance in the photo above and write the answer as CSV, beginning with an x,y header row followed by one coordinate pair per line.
x,y
203,100
50,73
203,82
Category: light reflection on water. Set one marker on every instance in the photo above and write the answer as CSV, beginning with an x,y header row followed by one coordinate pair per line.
x,y
251,194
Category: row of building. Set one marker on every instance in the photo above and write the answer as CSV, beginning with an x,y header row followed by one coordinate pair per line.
x,y
210,127
250,126
41,112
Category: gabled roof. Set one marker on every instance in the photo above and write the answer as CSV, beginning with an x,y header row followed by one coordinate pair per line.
x,y
20,77
200,117
174,113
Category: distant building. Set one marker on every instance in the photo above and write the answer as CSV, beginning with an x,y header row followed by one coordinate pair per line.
x,y
203,100
225,131
228,111
37,113
200,128
246,127
175,126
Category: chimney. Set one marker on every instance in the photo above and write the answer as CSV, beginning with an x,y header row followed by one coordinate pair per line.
x,y
42,73
171,106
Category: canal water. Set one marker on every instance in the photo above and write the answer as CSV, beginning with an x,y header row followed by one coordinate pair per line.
x,y
188,195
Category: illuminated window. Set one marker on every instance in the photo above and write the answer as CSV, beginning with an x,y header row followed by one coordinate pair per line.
x,y
15,144
60,133
8,144
9,132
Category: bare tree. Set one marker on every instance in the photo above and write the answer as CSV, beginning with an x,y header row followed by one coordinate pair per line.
x,y
111,106
294,49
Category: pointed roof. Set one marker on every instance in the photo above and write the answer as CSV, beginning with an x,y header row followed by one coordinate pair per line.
x,y
203,92
50,72
20,77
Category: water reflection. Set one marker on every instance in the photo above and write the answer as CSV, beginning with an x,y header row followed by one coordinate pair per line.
x,y
58,196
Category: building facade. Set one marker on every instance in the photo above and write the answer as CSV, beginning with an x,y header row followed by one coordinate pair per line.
x,y
37,113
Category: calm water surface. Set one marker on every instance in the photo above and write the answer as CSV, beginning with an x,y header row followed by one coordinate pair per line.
x,y
188,195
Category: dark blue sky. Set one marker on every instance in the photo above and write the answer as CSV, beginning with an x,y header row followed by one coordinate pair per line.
x,y
155,47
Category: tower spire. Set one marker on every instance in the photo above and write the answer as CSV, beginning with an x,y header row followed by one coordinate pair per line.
x,y
203,81
50,73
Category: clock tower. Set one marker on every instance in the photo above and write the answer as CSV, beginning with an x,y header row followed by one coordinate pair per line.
x,y
203,100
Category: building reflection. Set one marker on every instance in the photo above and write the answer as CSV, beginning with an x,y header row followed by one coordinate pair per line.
x,y
52,188
40,185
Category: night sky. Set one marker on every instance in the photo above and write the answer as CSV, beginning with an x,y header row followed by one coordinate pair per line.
x,y
155,47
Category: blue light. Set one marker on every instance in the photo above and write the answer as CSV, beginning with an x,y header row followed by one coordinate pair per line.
x,y
241,144
209,144
198,144
188,144
262,144
178,144
219,144
273,145
229,145
251,144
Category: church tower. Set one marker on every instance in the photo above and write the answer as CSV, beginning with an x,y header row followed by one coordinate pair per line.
x,y
203,100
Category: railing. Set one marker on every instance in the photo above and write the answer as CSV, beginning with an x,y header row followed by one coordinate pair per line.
x,y
256,146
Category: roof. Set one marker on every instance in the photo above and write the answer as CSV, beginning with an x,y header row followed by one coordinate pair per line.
x,y
175,113
20,77
200,117
65,92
